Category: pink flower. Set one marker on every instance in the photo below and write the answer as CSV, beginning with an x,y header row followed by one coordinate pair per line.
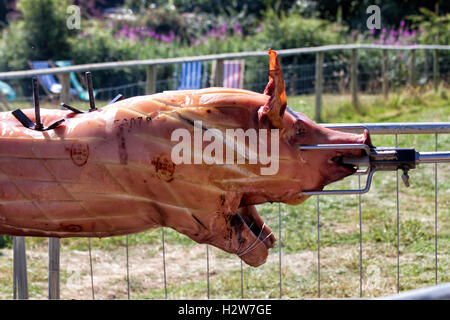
x,y
222,28
124,30
165,38
212,32
260,27
237,28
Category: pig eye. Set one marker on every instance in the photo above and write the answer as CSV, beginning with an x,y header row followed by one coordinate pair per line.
x,y
300,130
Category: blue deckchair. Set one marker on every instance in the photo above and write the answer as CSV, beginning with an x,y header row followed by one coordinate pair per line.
x,y
190,75
82,93
7,91
48,81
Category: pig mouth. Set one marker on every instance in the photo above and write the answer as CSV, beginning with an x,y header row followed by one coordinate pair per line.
x,y
336,169
259,228
338,160
258,236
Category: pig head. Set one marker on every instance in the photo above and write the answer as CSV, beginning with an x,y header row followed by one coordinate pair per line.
x,y
239,228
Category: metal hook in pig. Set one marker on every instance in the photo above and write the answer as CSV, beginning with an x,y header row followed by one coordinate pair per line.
x,y
26,122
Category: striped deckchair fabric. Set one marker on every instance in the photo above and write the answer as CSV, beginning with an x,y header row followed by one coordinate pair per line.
x,y
190,75
6,94
233,73
7,91
48,82
83,94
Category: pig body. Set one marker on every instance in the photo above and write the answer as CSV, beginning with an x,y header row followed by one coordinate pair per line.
x,y
111,172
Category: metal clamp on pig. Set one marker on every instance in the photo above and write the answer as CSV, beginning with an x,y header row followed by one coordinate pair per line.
x,y
377,159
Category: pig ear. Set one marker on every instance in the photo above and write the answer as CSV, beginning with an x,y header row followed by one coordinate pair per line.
x,y
276,105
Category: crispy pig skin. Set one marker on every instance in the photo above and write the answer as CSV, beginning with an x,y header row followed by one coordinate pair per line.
x,y
109,172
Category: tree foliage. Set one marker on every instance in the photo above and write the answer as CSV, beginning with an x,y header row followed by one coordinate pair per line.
x,y
3,11
353,12
44,29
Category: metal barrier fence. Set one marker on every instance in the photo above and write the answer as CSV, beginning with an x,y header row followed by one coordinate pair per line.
x,y
20,272
438,292
300,78
308,73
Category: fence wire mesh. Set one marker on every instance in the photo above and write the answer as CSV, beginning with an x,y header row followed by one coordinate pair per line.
x,y
313,266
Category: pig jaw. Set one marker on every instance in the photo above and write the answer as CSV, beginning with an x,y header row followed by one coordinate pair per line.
x,y
242,233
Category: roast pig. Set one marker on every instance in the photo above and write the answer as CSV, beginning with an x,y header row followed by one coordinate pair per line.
x,y
161,161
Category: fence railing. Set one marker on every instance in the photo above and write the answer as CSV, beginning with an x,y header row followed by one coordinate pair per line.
x,y
439,292
20,271
152,64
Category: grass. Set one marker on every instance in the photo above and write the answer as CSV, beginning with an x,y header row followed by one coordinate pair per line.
x,y
339,228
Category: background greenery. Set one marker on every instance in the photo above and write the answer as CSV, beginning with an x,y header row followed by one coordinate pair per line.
x,y
162,29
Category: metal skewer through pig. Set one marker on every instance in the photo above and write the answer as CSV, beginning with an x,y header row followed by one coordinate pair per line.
x,y
111,171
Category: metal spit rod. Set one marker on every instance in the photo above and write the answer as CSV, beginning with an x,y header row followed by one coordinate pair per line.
x,y
421,157
378,159
433,157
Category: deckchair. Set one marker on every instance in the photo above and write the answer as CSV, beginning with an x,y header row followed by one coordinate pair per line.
x,y
6,93
233,73
190,75
83,94
48,82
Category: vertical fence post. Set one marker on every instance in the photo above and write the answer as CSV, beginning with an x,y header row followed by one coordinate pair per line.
x,y
218,73
150,86
385,75
319,85
212,75
53,268
20,267
65,91
293,77
412,71
242,74
435,69
354,77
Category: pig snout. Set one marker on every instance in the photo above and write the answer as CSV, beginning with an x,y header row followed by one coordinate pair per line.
x,y
333,169
338,137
